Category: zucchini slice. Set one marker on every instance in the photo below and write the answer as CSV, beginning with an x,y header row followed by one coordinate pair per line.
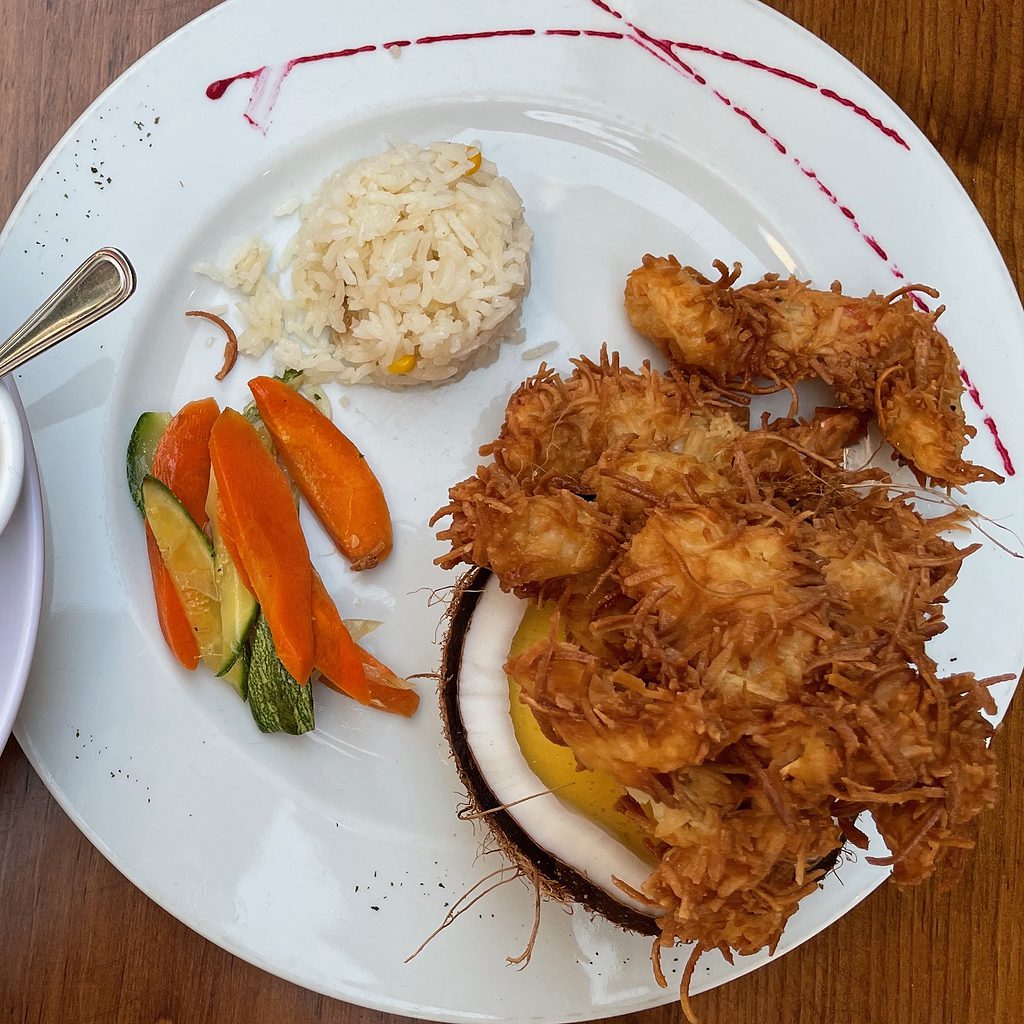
x,y
188,555
141,447
238,607
237,674
279,703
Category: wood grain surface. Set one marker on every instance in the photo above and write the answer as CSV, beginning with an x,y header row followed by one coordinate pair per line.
x,y
78,943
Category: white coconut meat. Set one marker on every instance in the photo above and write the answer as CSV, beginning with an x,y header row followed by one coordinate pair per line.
x,y
561,830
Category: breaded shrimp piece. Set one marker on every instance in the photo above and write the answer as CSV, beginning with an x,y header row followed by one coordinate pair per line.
x,y
525,539
555,428
739,624
745,916
725,596
787,448
715,457
631,478
629,482
694,321
924,770
886,569
879,352
611,720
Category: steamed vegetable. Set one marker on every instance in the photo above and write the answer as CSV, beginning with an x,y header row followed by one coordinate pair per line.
x,y
170,614
330,472
335,653
279,702
176,452
260,525
181,461
238,607
188,555
388,692
232,576
142,445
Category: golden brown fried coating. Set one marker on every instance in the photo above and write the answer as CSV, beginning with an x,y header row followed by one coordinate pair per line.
x,y
526,539
610,719
879,352
782,448
723,601
695,322
717,456
925,769
556,428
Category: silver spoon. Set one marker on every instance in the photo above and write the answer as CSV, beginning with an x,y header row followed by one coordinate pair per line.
x,y
96,288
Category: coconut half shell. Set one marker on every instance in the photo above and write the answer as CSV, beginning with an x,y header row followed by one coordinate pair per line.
x,y
556,879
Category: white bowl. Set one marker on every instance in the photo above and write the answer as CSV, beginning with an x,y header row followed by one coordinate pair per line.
x,y
12,456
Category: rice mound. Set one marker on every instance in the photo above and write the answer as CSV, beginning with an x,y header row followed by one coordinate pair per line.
x,y
405,267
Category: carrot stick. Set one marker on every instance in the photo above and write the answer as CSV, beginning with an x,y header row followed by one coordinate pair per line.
x,y
230,547
169,611
388,692
262,523
182,463
329,471
335,653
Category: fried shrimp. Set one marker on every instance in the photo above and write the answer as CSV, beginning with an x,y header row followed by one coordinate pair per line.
x,y
526,539
879,352
555,428
739,624
609,719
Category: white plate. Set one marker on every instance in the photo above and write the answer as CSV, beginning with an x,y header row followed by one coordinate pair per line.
x,y
21,581
327,859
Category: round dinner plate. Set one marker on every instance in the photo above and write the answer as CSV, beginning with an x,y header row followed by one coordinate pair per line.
x,y
21,582
709,130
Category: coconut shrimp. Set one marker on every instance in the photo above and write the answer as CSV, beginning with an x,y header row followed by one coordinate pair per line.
x,y
879,352
715,457
725,605
611,720
556,427
527,540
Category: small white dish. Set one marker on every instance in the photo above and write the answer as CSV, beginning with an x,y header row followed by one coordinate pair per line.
x,y
12,457
21,571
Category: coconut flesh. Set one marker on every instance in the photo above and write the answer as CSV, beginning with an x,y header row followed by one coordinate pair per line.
x,y
572,857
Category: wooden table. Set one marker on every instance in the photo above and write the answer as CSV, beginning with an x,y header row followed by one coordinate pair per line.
x,y
79,944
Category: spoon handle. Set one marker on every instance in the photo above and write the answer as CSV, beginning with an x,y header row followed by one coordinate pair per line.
x,y
98,286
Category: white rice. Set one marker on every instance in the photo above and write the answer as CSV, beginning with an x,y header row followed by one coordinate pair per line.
x,y
540,350
405,268
244,269
288,207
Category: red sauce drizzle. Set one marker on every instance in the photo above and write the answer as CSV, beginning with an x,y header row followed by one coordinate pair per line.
x,y
990,423
882,254
831,94
605,7
790,76
971,389
330,55
1000,447
215,90
458,37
